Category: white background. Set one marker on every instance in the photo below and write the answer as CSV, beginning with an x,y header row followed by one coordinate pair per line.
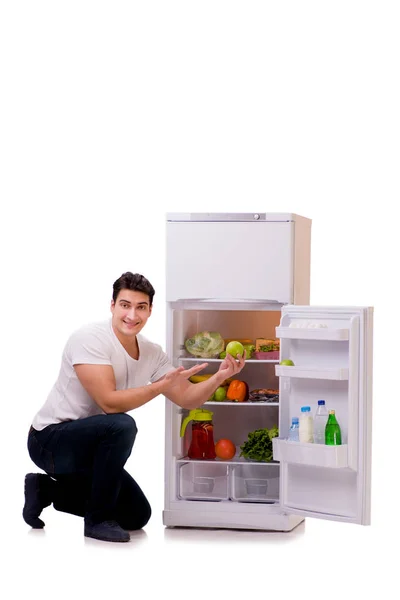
x,y
114,113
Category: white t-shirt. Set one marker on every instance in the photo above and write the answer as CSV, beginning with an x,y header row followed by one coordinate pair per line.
x,y
97,344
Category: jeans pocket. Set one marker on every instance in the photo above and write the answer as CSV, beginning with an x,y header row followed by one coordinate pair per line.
x,y
41,457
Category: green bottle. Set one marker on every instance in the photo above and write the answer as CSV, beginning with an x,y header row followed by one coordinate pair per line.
x,y
333,435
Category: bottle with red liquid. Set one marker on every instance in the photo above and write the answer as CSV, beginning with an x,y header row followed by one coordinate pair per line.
x,y
202,445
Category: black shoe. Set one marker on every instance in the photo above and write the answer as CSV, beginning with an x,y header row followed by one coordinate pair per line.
x,y
108,531
37,496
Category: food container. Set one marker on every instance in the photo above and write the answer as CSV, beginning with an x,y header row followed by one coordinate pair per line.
x,y
273,355
256,487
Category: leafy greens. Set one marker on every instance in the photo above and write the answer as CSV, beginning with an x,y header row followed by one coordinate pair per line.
x,y
258,446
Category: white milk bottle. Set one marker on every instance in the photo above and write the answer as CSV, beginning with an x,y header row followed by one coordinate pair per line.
x,y
306,426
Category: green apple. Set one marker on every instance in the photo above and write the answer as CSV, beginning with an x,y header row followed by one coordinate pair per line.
x,y
235,348
287,362
222,354
220,394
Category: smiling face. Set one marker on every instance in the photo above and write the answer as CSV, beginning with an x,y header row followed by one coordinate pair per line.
x,y
130,312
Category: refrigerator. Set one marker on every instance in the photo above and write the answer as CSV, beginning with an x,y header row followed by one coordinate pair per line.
x,y
247,276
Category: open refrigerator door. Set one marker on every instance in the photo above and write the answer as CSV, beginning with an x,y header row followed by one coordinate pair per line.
x,y
331,349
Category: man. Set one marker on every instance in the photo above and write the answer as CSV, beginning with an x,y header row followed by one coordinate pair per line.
x,y
82,436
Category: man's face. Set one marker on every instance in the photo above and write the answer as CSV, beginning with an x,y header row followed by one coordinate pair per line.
x,y
130,312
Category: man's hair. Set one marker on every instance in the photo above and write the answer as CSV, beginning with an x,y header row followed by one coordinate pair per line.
x,y
134,282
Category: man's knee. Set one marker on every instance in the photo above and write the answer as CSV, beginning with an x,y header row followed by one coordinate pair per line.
x,y
123,424
138,519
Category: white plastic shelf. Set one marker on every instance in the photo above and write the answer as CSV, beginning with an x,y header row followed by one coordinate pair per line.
x,y
300,333
219,360
311,373
317,455
224,403
236,460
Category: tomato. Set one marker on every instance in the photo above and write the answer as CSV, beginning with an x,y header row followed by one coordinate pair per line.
x,y
225,449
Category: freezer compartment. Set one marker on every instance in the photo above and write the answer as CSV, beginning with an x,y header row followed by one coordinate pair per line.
x,y
272,275
317,455
255,483
208,481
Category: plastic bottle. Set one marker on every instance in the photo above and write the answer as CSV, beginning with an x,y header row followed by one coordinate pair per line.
x,y
320,421
294,430
333,435
306,426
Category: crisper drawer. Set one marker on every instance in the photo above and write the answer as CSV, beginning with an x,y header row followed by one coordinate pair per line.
x,y
255,483
203,481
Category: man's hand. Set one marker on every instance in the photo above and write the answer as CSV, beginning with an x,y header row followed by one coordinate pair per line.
x,y
230,366
178,389
173,379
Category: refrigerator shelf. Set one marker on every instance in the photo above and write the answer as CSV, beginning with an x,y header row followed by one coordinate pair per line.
x,y
317,455
236,460
300,333
309,373
219,360
223,403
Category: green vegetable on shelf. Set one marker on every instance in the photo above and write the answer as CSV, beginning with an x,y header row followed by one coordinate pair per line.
x,y
250,348
258,446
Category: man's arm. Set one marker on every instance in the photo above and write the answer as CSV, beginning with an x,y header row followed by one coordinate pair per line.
x,y
99,382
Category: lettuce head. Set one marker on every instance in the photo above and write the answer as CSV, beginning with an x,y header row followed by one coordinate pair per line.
x,y
206,344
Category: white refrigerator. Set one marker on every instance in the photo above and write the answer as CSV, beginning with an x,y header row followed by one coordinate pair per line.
x,y
248,276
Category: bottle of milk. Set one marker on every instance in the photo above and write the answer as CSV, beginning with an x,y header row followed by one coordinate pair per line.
x,y
306,426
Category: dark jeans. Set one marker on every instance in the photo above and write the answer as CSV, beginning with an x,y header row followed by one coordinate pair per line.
x,y
86,459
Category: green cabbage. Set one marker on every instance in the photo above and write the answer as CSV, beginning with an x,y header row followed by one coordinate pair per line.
x,y
207,344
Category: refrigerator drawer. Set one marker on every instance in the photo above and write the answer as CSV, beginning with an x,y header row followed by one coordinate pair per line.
x,y
255,483
207,481
317,455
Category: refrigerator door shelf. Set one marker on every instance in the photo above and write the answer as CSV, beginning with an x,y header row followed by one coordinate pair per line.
x,y
309,373
299,333
317,455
